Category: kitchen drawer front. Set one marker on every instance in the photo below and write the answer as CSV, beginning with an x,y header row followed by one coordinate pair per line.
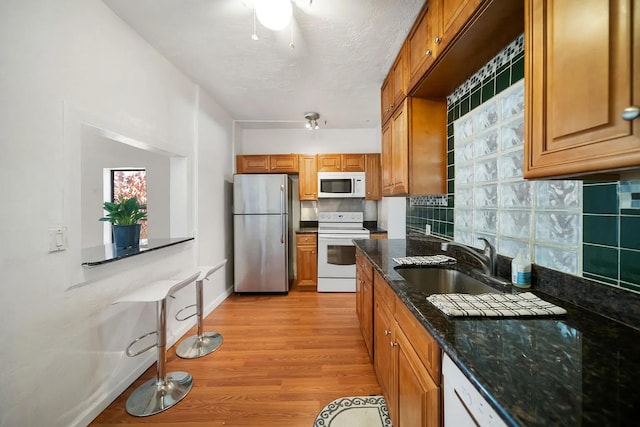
x,y
364,265
306,239
384,292
423,343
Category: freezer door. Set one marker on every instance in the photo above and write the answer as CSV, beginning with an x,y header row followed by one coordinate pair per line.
x,y
260,193
260,253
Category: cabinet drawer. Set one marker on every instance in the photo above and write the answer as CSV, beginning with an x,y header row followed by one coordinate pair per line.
x,y
306,239
384,292
423,343
378,236
364,265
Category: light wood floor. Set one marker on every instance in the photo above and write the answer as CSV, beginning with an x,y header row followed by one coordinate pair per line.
x,y
284,357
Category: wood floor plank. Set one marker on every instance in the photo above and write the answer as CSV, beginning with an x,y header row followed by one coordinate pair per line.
x,y
284,357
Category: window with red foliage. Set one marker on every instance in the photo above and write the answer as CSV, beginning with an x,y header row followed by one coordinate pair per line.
x,y
131,183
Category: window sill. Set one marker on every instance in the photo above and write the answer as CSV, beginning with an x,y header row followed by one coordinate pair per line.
x,y
99,255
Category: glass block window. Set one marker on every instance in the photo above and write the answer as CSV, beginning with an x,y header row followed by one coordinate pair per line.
x,y
541,219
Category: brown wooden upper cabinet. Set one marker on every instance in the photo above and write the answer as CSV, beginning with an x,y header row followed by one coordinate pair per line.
x,y
341,162
437,25
394,87
267,163
372,177
581,93
308,177
423,42
414,149
258,163
452,39
454,14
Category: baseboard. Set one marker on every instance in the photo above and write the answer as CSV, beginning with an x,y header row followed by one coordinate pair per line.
x,y
100,404
216,302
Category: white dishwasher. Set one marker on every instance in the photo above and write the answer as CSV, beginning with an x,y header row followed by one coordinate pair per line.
x,y
463,404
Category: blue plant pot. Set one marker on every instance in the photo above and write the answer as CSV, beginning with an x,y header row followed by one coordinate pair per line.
x,y
126,236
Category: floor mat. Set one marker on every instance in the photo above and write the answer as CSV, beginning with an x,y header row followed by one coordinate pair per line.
x,y
355,411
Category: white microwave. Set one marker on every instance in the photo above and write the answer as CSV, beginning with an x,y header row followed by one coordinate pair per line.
x,y
341,184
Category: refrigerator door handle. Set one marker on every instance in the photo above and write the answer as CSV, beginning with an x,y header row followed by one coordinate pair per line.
x,y
282,208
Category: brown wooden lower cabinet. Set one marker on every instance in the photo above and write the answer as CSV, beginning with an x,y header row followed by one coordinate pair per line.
x,y
406,360
383,339
378,235
417,395
364,299
306,262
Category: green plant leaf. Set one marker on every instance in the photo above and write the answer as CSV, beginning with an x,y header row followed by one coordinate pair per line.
x,y
124,211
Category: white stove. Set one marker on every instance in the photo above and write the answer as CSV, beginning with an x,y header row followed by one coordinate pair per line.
x,y
336,251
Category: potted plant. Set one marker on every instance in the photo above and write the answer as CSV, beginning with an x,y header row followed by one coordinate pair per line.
x,y
125,215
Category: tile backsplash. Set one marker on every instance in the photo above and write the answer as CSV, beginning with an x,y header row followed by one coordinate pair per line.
x,y
584,228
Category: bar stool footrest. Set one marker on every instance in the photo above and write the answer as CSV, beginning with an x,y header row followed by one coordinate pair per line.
x,y
197,346
179,313
155,396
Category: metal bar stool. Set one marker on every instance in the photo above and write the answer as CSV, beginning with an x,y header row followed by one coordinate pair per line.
x,y
202,343
166,389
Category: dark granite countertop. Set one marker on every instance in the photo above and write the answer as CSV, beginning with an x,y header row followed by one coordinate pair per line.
x,y
579,369
372,226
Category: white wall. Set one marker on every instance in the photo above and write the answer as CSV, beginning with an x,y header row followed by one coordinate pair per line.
x,y
63,63
392,216
214,182
100,153
303,141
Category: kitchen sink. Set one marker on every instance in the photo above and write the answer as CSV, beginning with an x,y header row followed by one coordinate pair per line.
x,y
443,281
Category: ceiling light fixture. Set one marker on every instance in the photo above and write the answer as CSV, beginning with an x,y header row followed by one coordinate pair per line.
x,y
312,120
274,14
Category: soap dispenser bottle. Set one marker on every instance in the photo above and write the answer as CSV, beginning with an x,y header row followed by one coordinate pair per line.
x,y
521,271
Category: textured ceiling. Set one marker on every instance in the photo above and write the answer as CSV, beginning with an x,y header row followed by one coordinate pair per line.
x,y
343,50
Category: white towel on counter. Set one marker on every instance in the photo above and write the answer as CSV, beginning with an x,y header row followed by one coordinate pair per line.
x,y
494,305
425,260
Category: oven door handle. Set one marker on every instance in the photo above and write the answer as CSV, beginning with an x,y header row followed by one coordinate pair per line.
x,y
341,237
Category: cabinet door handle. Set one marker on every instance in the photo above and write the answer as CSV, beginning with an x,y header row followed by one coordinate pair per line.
x,y
393,344
428,52
631,113
437,40
387,332
391,106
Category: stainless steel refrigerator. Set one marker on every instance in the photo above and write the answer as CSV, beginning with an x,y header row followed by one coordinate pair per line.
x,y
261,235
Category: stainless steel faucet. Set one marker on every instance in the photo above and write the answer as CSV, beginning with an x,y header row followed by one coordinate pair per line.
x,y
487,257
